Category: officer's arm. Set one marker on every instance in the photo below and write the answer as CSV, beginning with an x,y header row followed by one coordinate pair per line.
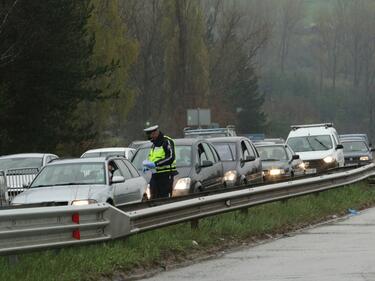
x,y
169,154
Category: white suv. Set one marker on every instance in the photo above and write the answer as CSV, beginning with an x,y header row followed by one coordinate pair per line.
x,y
318,145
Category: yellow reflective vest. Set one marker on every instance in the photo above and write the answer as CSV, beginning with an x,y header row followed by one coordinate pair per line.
x,y
157,153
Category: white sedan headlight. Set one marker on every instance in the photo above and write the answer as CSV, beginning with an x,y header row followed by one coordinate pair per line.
x,y
302,166
328,159
84,202
182,184
363,158
230,176
276,172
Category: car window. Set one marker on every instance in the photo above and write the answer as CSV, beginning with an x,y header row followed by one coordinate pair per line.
x,y
125,172
289,152
224,151
201,155
214,152
310,143
132,169
244,150
250,149
140,155
71,174
183,156
272,153
355,146
17,163
210,155
130,154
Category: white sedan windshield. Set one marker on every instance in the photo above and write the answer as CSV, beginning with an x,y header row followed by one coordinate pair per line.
x,y
71,174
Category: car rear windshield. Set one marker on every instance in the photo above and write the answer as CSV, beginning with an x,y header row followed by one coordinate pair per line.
x,y
17,163
272,153
183,156
102,154
227,151
355,146
310,143
70,174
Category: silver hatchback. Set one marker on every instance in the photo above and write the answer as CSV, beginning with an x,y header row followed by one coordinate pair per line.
x,y
86,181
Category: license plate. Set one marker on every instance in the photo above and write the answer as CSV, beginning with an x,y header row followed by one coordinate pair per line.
x,y
310,171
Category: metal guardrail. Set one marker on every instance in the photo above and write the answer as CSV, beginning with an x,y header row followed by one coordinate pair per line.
x,y
173,213
48,227
52,227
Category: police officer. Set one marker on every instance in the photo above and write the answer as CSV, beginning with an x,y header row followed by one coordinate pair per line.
x,y
162,159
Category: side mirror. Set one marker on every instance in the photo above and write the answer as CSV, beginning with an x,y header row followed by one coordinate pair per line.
x,y
295,157
206,163
339,146
248,159
118,179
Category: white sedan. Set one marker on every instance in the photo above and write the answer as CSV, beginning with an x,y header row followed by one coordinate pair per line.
x,y
86,181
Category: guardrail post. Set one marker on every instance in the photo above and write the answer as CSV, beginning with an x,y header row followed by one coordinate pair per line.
x,y
244,211
194,224
13,259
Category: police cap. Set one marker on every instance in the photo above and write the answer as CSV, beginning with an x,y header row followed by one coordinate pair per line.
x,y
151,129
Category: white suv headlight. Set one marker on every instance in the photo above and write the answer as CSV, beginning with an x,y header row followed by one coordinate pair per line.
x,y
84,202
328,159
363,158
230,175
182,184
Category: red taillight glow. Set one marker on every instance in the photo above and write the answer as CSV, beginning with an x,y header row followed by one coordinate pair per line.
x,y
76,234
75,218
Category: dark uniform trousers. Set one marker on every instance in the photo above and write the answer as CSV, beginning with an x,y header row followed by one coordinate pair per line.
x,y
161,185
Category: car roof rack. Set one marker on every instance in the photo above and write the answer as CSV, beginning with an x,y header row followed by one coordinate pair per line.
x,y
326,125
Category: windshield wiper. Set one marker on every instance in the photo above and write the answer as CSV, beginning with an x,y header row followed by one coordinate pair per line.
x,y
322,144
40,185
307,138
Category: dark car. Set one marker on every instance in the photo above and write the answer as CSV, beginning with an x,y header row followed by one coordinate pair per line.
x,y
356,136
279,162
356,152
198,165
241,161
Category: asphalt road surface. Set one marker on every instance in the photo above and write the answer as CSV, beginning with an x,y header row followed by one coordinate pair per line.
x,y
342,250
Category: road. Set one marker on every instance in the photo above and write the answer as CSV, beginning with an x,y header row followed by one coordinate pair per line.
x,y
342,250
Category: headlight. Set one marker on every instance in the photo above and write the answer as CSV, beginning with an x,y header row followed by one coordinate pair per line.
x,y
364,158
84,202
276,172
328,159
302,166
230,175
148,192
183,184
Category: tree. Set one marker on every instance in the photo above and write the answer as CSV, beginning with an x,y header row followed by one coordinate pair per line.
x,y
248,101
41,89
113,48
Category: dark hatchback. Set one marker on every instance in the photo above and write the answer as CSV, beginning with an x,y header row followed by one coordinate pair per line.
x,y
279,162
241,161
356,152
198,165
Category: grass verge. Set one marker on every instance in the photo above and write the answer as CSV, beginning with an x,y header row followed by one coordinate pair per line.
x,y
158,248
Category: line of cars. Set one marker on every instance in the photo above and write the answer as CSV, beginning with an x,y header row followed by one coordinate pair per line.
x,y
106,175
